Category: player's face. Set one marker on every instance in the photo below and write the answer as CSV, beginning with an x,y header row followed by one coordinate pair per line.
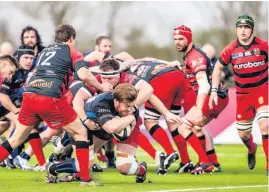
x,y
26,61
29,38
124,108
112,80
7,70
105,46
180,42
243,32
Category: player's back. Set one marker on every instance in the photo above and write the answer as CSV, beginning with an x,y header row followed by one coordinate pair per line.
x,y
53,71
149,70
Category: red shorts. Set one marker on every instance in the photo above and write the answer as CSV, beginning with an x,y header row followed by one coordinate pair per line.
x,y
247,104
55,112
169,88
190,100
133,138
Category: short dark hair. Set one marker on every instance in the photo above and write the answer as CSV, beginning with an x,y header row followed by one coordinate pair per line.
x,y
125,92
10,59
100,39
64,32
39,43
109,64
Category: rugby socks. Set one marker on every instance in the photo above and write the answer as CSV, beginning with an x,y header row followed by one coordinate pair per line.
x,y
212,156
142,170
5,150
25,156
144,143
265,148
37,147
68,166
249,144
159,134
82,153
196,145
202,140
181,144
65,139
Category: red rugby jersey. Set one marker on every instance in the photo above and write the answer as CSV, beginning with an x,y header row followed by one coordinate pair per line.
x,y
195,61
250,64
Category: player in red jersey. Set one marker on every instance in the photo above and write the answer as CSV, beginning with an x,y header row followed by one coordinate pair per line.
x,y
44,98
197,68
249,58
8,66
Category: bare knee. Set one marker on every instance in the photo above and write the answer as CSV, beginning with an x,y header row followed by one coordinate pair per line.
x,y
124,169
244,134
263,124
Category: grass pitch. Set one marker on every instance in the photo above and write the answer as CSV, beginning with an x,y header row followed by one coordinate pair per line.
x,y
235,176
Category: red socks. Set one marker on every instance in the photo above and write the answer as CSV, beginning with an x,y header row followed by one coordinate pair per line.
x,y
196,145
265,148
159,134
181,144
82,153
37,147
145,144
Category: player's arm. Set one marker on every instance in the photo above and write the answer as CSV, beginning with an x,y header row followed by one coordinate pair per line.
x,y
79,102
110,123
144,92
204,88
159,106
7,103
86,76
223,61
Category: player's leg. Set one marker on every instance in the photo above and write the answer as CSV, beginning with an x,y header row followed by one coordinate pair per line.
x,y
110,154
262,117
126,162
27,118
184,129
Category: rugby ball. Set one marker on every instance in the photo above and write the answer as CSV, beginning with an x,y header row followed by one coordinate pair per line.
x,y
124,134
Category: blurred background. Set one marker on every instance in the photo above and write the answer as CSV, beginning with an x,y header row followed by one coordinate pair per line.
x,y
141,29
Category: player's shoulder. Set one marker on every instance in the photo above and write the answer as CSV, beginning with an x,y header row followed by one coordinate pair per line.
x,y
261,41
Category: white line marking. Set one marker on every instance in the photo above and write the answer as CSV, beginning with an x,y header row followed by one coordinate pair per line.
x,y
211,188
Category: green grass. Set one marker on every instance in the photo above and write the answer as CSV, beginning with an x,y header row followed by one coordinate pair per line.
x,y
232,158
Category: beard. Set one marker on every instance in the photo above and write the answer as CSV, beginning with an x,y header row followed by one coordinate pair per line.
x,y
183,49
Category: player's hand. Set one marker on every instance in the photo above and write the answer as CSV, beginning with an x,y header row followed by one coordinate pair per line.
x,y
91,125
105,87
213,100
172,118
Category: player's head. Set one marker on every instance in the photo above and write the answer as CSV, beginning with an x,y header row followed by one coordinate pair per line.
x,y
103,44
209,50
182,37
8,66
110,73
30,36
244,27
6,48
65,34
125,96
26,56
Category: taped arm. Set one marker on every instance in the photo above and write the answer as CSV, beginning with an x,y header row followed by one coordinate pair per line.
x,y
204,88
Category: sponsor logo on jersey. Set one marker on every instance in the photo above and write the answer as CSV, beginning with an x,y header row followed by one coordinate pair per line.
x,y
237,55
239,116
248,53
250,64
40,83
